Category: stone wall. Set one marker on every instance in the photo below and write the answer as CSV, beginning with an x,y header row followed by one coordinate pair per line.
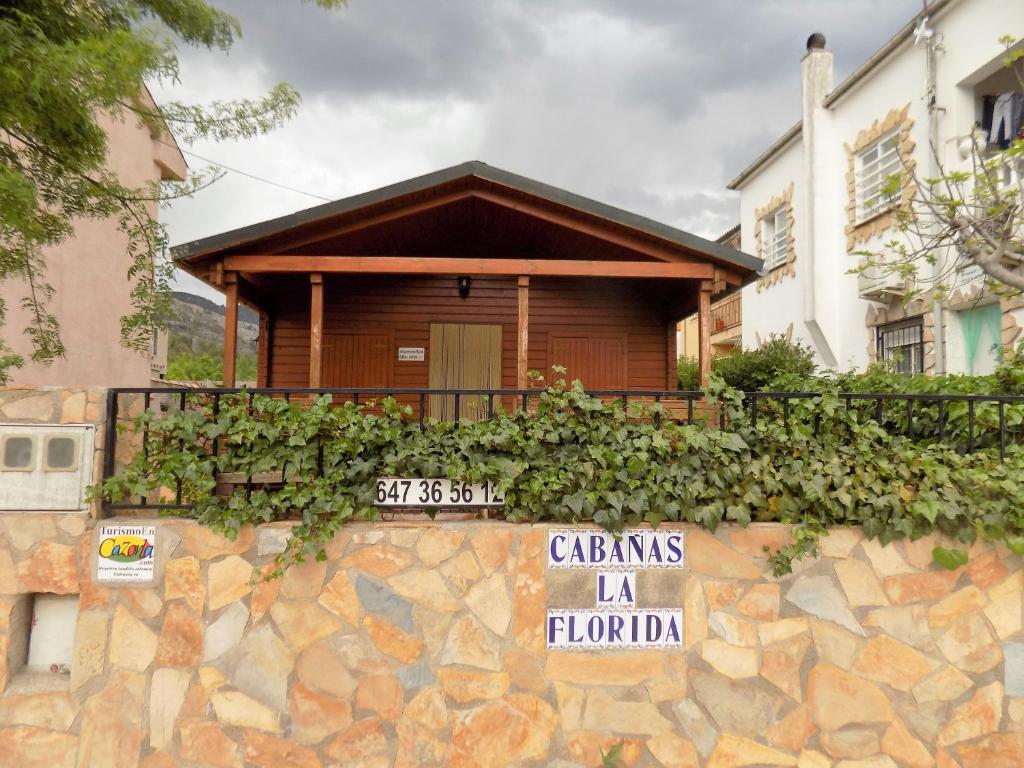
x,y
423,644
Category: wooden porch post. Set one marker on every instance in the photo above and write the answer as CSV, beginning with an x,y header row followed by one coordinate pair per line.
x,y
523,333
263,351
704,330
671,357
316,327
230,327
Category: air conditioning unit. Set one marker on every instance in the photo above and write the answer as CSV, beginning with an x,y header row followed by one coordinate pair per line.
x,y
45,467
880,284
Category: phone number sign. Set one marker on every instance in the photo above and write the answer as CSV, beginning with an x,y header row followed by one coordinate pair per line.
x,y
441,492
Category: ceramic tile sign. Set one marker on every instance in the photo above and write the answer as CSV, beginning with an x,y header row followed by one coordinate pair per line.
x,y
615,621
126,553
587,548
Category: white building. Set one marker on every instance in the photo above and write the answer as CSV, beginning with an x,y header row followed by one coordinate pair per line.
x,y
808,203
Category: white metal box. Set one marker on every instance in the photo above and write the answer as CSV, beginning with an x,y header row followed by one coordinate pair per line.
x,y
45,467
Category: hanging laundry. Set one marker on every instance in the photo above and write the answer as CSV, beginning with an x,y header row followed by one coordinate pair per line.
x,y
1006,118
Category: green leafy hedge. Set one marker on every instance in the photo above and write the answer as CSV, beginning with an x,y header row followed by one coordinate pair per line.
x,y
783,366
579,459
1008,379
749,370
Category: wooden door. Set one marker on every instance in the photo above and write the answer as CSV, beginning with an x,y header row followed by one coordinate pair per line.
x,y
463,356
599,361
358,359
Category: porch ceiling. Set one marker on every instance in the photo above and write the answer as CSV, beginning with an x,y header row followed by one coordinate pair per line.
x,y
472,225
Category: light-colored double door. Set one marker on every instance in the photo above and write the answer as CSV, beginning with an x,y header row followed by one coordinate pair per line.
x,y
463,356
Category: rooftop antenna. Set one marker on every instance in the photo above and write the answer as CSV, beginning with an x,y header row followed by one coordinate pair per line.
x,y
922,32
927,38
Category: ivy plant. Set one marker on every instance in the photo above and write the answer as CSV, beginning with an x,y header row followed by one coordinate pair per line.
x,y
574,458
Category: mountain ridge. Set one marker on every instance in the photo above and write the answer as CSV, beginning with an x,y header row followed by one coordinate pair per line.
x,y
197,325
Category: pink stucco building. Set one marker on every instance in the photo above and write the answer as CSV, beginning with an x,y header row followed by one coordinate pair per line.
x,y
89,275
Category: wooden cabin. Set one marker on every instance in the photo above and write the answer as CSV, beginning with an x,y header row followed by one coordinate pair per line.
x,y
465,278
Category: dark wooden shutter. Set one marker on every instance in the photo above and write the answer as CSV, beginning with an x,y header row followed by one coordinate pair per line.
x,y
358,359
598,361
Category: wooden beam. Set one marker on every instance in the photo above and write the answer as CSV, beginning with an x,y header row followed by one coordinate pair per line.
x,y
316,327
718,283
251,296
425,265
704,330
723,279
523,333
363,221
216,274
230,327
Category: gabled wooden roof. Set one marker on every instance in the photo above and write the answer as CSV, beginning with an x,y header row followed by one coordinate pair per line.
x,y
430,216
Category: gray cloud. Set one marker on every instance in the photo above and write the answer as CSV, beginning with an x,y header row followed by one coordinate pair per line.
x,y
736,45
407,49
703,213
462,48
652,106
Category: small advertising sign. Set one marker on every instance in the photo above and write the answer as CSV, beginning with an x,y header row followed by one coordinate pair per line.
x,y
411,354
126,553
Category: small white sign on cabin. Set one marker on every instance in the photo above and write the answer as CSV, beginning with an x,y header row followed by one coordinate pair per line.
x,y
411,354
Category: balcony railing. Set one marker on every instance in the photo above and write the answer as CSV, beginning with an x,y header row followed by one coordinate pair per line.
x,y
726,313
966,423
1007,169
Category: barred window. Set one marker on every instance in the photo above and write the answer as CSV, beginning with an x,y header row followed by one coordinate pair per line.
x,y
902,345
875,164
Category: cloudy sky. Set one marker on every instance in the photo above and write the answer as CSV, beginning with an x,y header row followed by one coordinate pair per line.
x,y
650,105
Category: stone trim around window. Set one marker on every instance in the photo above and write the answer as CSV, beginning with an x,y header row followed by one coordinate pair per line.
x,y
972,294
920,307
886,219
786,268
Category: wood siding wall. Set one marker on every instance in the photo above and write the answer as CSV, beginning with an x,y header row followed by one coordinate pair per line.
x,y
406,306
565,308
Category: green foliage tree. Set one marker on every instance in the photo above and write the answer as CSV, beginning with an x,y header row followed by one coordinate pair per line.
x,y
195,366
63,65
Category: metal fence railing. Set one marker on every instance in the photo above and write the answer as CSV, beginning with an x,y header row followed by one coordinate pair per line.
x,y
965,422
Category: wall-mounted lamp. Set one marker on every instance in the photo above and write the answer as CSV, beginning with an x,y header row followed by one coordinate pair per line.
x,y
463,287
973,143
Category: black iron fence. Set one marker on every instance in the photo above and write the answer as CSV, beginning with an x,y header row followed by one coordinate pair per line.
x,y
965,422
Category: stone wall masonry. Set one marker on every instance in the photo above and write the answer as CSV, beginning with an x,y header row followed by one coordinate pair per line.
x,y
422,644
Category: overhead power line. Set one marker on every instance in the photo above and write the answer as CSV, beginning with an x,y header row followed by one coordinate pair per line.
x,y
247,174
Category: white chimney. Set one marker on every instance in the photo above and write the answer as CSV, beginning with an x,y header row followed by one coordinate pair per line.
x,y
815,85
815,74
